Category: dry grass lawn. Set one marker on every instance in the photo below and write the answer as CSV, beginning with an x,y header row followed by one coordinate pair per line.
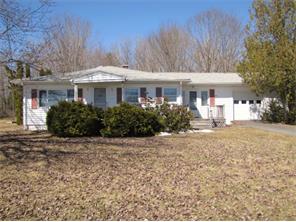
x,y
232,174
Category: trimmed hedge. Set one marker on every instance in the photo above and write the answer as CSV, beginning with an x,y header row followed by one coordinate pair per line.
x,y
72,119
130,120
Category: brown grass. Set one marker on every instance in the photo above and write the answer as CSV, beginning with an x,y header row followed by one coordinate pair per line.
x,y
232,174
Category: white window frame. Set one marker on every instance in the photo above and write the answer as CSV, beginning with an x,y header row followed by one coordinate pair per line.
x,y
47,92
165,96
68,95
46,101
125,94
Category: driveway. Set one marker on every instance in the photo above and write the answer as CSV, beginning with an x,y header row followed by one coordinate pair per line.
x,y
278,127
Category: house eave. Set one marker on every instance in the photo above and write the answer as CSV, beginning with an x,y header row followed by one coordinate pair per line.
x,y
158,80
39,82
217,83
98,81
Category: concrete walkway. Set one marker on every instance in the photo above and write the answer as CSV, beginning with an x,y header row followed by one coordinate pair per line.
x,y
277,128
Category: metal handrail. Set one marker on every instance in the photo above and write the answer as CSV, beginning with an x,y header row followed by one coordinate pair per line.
x,y
216,112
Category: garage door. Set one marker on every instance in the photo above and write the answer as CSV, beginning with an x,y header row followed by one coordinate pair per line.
x,y
246,109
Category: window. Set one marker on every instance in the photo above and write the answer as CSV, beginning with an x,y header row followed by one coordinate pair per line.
x,y
236,101
170,94
131,95
54,96
258,101
70,95
42,98
204,98
244,101
251,101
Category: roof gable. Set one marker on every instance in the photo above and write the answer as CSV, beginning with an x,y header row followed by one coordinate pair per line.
x,y
99,77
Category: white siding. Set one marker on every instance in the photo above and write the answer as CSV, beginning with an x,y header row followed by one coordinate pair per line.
x,y
35,119
247,111
224,95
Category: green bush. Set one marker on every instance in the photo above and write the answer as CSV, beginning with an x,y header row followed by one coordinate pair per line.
x,y
275,113
130,120
291,118
175,118
69,119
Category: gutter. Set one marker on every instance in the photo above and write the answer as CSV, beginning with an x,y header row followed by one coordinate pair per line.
x,y
158,80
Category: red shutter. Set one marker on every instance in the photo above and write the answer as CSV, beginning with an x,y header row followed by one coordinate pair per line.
x,y
212,97
34,99
80,95
119,95
158,92
143,92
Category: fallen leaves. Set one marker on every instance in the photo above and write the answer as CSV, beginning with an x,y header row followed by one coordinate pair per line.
x,y
232,174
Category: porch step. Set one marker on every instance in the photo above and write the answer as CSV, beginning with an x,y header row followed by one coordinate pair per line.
x,y
201,124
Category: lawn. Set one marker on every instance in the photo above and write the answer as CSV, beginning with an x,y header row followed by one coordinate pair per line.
x,y
232,174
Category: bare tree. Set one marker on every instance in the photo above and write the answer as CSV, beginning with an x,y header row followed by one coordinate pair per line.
x,y
95,56
143,56
216,41
165,50
67,45
17,25
127,52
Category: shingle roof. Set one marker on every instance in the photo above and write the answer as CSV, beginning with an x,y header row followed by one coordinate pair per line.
x,y
136,75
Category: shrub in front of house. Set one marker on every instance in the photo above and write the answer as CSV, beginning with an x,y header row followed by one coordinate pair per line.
x,y
72,119
130,120
176,118
275,113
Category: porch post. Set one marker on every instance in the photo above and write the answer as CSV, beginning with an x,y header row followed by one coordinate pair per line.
x,y
75,92
122,92
181,94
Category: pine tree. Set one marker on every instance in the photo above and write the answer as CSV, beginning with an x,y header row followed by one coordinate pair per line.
x,y
44,72
28,70
269,62
19,94
17,90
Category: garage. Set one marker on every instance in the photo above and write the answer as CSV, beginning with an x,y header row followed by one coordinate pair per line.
x,y
246,106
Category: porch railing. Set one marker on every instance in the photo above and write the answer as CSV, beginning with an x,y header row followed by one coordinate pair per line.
x,y
150,102
216,112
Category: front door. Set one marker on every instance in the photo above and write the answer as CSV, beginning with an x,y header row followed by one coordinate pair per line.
x,y
100,97
192,103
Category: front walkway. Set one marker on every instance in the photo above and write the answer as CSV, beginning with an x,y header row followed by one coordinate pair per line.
x,y
273,127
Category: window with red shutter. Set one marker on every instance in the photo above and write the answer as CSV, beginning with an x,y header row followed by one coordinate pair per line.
x,y
34,100
212,97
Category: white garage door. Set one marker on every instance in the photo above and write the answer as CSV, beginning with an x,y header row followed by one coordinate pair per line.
x,y
246,109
